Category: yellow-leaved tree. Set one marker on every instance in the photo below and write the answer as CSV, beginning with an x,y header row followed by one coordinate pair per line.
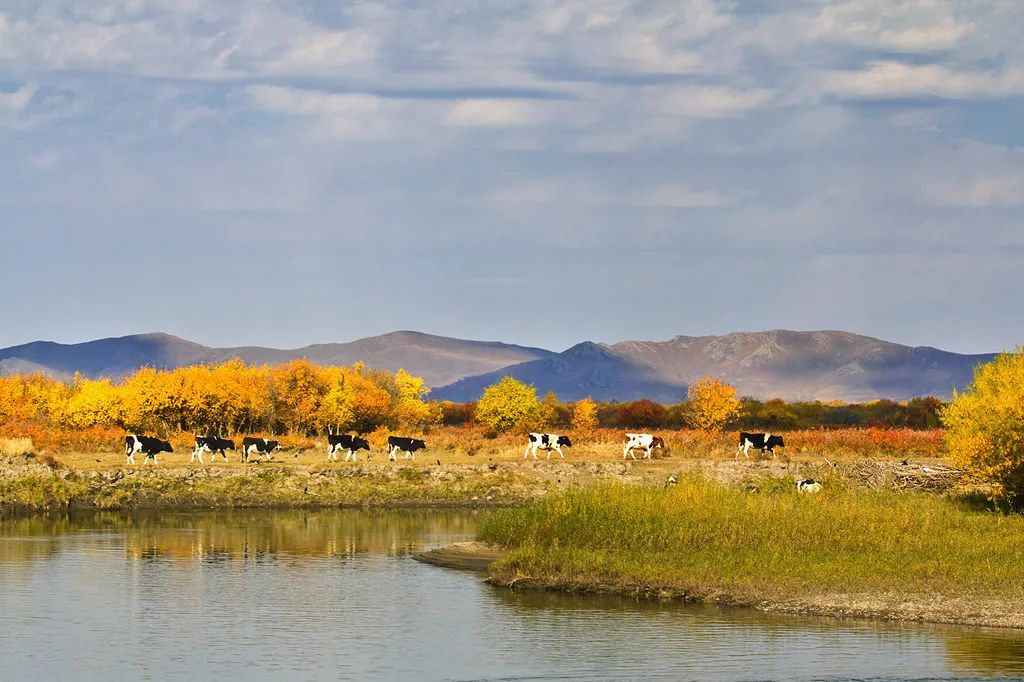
x,y
584,416
411,409
985,428
508,404
712,404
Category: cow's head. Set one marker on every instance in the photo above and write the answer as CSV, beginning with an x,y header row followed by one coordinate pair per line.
x,y
774,441
564,440
228,444
164,446
418,444
360,444
658,442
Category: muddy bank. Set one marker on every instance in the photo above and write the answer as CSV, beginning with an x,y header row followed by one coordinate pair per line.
x,y
28,483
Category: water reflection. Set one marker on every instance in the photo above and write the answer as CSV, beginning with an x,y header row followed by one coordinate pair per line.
x,y
334,594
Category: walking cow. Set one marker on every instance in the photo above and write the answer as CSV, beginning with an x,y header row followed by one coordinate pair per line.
x,y
547,441
765,442
151,447
643,441
345,442
213,445
409,446
259,447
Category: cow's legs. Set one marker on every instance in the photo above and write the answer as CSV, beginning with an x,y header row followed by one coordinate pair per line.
x,y
526,452
391,453
647,453
351,454
629,451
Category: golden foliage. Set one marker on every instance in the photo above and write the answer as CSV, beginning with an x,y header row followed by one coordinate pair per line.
x,y
985,427
508,404
298,397
712,404
584,416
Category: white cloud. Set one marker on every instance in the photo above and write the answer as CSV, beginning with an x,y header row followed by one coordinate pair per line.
x,y
707,101
890,79
913,26
492,112
336,114
17,100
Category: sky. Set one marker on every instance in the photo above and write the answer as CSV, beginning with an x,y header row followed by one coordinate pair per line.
x,y
538,172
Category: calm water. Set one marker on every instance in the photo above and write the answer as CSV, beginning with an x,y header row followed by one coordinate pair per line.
x,y
336,595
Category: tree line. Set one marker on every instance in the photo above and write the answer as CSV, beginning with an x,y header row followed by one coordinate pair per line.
x,y
297,397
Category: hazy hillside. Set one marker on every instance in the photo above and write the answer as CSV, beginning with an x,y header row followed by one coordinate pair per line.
x,y
807,365
440,360
793,365
586,369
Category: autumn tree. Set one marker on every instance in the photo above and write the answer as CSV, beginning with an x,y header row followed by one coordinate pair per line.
x,y
712,404
411,408
584,416
983,428
508,404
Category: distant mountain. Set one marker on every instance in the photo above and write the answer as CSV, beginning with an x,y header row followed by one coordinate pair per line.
x,y
816,365
822,365
586,369
438,359
826,365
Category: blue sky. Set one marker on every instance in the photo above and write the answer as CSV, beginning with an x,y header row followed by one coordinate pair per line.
x,y
284,173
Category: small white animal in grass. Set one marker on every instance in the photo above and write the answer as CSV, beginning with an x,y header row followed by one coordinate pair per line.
x,y
808,485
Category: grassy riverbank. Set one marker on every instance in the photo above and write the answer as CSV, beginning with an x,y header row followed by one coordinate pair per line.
x,y
843,552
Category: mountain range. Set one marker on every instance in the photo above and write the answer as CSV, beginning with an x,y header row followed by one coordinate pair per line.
x,y
794,365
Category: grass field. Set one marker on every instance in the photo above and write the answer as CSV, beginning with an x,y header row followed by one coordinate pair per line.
x,y
701,539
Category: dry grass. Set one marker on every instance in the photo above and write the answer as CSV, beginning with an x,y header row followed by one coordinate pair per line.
x,y
100,449
701,537
16,447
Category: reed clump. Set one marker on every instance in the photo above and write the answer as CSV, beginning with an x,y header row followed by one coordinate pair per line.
x,y
700,537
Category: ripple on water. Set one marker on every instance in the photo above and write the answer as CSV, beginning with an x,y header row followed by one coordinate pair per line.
x,y
335,594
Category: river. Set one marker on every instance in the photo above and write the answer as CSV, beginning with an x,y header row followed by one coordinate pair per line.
x,y
335,594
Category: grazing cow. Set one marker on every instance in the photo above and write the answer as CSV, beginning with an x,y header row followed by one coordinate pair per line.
x,y
546,441
258,447
213,445
808,485
644,441
765,442
409,446
151,447
345,442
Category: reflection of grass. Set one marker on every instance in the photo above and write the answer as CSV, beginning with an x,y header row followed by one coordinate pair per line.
x,y
238,534
701,537
987,652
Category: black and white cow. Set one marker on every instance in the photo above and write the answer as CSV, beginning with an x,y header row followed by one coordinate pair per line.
x,y
151,447
765,442
258,447
409,446
345,442
808,485
213,445
546,441
643,441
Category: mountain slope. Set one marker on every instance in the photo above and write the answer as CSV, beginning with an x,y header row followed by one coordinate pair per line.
x,y
826,365
438,359
586,369
820,365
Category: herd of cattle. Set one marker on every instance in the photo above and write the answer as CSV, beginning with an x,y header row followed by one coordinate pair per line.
x,y
549,442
